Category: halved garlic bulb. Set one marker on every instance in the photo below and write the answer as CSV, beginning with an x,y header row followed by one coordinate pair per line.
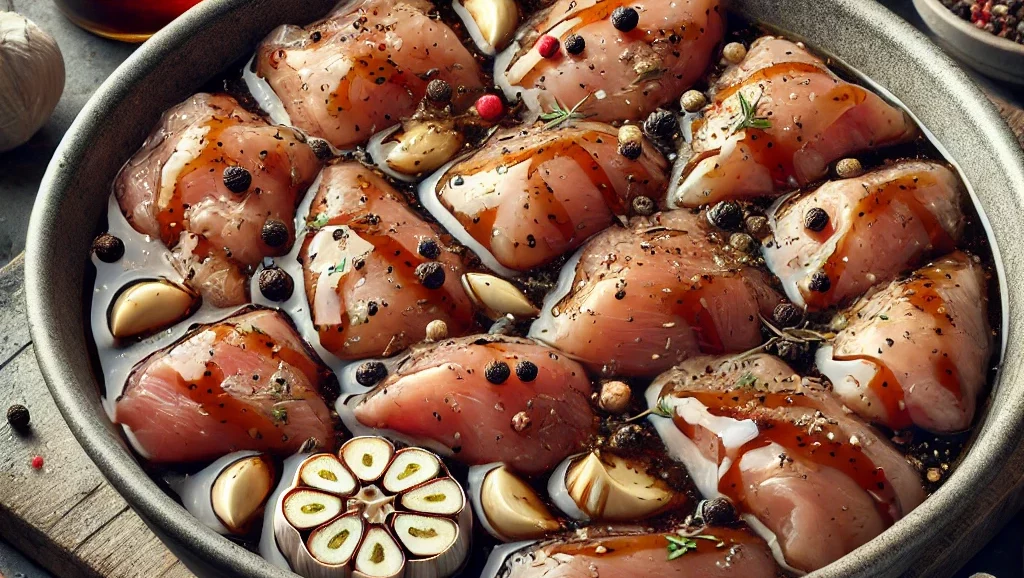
x,y
373,512
150,306
610,488
497,297
507,506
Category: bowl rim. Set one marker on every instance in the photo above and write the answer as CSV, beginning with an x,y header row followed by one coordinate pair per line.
x,y
998,43
171,521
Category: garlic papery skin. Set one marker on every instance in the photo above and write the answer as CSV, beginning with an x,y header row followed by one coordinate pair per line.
x,y
31,79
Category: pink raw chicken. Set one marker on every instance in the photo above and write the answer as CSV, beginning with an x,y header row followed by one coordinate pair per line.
x,y
364,67
880,225
245,383
173,189
644,298
639,552
530,196
917,351
441,393
781,448
815,118
359,264
627,74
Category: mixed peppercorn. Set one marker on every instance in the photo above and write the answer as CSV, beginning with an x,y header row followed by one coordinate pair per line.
x,y
1004,18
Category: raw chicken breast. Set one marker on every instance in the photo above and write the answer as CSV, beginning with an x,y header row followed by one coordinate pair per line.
x,y
363,68
917,351
635,301
637,552
815,118
879,225
174,189
629,74
797,466
360,260
530,196
448,393
245,383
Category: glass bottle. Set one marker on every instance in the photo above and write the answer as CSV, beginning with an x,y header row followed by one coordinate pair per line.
x,y
125,20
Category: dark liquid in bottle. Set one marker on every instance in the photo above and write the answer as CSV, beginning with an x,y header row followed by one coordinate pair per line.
x,y
125,20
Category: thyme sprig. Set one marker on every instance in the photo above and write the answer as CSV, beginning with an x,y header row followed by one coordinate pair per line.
x,y
797,334
560,114
748,115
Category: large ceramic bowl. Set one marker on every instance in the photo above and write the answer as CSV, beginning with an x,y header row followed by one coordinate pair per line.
x,y
178,60
989,54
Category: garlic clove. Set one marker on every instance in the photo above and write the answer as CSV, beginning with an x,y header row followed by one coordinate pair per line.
x,y
240,492
31,79
411,467
326,472
510,509
442,496
422,147
491,23
425,536
305,509
611,488
379,555
335,544
367,456
149,306
497,297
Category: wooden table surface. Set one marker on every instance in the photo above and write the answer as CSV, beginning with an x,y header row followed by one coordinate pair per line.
x,y
69,520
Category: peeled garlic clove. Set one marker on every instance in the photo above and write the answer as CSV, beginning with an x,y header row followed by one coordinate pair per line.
x,y
442,497
335,544
149,306
31,79
422,147
497,297
305,509
367,457
610,488
411,467
379,555
491,23
508,507
326,472
240,492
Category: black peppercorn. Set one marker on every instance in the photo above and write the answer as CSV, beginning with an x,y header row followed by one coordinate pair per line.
x,y
625,18
274,233
18,417
431,274
321,148
725,215
820,282
276,284
526,370
428,248
628,438
717,512
497,372
644,206
370,373
330,389
631,149
816,219
372,308
575,44
787,315
439,91
660,124
237,179
108,248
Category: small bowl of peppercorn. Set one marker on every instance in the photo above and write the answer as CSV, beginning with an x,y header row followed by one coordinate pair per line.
x,y
988,35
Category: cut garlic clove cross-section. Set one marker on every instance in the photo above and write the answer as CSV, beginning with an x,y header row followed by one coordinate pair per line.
x,y
411,467
379,555
425,536
443,496
305,509
335,544
367,457
326,472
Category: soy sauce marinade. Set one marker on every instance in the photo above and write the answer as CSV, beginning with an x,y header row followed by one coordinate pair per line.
x,y
932,455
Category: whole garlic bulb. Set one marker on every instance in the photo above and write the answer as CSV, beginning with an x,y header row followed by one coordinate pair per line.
x,y
31,79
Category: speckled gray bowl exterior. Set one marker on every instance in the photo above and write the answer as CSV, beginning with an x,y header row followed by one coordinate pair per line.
x,y
74,193
989,54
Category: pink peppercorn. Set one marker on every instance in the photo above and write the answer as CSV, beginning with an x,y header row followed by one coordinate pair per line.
x,y
489,107
547,46
37,463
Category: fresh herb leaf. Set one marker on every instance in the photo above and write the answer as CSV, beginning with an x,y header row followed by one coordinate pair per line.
x,y
280,414
560,114
748,115
883,317
340,267
663,408
746,380
679,545
319,222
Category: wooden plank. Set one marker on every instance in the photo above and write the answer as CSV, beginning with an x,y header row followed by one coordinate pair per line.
x,y
65,516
